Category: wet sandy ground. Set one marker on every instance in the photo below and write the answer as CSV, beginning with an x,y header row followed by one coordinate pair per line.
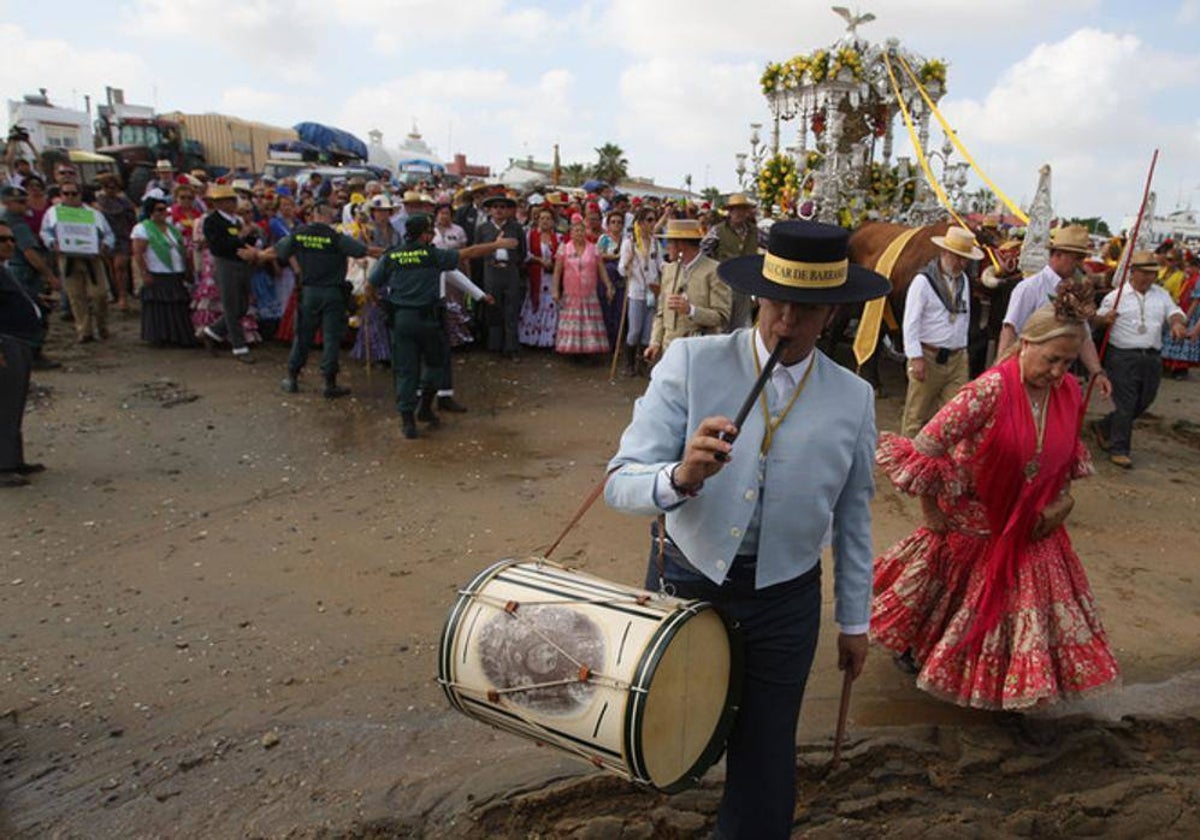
x,y
222,606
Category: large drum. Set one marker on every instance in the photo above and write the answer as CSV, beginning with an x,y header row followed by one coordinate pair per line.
x,y
640,684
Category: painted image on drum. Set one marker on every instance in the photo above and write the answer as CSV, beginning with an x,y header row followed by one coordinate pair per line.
x,y
539,650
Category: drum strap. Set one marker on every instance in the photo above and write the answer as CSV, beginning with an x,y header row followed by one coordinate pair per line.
x,y
660,556
587,503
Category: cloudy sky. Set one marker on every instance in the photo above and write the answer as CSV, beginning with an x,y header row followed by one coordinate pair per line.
x,y
1089,86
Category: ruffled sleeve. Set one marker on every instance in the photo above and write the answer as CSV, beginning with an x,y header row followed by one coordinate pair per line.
x,y
914,472
927,464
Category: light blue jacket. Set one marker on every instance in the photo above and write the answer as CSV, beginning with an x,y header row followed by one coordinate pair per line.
x,y
819,468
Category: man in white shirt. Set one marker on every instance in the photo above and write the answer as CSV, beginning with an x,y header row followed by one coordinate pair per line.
x,y
80,238
936,319
1068,246
1132,360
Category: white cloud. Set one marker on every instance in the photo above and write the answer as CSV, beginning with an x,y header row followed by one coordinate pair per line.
x,y
1082,105
488,114
1188,12
678,115
278,37
62,68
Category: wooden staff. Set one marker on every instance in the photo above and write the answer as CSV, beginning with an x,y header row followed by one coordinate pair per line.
x,y
843,711
612,371
1119,276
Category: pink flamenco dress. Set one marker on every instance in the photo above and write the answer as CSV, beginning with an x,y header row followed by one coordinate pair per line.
x,y
995,619
581,328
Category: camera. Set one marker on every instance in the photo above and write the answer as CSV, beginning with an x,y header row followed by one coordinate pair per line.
x,y
18,134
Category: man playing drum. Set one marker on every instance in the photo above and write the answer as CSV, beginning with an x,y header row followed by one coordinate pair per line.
x,y
745,523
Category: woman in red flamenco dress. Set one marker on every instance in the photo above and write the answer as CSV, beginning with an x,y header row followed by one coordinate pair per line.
x,y
988,598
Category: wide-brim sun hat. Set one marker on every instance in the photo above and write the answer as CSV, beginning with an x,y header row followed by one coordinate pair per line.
x,y
217,192
506,200
958,240
739,200
1072,238
806,262
1143,261
682,229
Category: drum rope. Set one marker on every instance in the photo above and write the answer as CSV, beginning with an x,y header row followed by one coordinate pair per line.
x,y
599,602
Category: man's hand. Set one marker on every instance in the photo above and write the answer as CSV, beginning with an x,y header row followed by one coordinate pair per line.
x,y
651,352
852,653
1106,320
1178,331
506,243
679,303
489,300
699,457
247,253
1103,383
916,368
374,251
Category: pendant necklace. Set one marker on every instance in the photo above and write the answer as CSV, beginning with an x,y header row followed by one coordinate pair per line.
x,y
1034,464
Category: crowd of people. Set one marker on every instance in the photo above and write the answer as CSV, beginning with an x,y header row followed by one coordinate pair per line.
x,y
220,263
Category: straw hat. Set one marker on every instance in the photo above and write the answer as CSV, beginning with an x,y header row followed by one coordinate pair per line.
x,y
806,262
381,202
413,197
1143,261
739,200
164,165
217,192
683,229
1072,238
958,240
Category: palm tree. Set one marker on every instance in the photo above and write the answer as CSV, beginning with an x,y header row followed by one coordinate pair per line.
x,y
611,165
574,174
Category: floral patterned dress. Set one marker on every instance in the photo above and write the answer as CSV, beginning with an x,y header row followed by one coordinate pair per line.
x,y
580,319
1047,642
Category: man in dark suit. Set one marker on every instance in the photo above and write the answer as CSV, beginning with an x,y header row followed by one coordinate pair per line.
x,y
233,264
20,326
503,275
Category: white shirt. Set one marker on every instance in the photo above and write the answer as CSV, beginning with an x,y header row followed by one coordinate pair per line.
x,y
639,270
1030,295
156,265
1140,318
927,321
50,226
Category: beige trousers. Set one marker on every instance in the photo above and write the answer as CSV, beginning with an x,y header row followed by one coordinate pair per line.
x,y
941,383
85,280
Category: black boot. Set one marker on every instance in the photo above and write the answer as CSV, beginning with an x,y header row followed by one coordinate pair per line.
x,y
630,360
289,383
408,424
332,389
425,409
448,403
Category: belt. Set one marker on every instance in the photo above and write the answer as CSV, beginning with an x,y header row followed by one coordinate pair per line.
x,y
929,348
1142,351
497,264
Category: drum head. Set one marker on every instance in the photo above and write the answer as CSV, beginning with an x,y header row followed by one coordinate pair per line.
x,y
690,703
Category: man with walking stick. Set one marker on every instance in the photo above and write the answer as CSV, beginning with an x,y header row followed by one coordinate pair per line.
x,y
745,521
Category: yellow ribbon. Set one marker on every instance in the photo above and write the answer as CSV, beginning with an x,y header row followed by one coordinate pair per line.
x,y
867,337
805,275
1012,208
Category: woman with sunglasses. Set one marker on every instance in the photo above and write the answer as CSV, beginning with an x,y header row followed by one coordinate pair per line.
x,y
160,252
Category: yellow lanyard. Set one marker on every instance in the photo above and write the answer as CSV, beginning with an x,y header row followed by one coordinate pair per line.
x,y
769,424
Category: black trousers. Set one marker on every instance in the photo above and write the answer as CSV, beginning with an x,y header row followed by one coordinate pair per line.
x,y
17,362
779,626
1135,377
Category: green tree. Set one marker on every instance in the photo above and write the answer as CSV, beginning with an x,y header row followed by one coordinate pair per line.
x,y
574,174
712,195
1094,224
611,165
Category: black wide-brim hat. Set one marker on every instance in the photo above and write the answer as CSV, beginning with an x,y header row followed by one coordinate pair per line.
x,y
806,262
495,200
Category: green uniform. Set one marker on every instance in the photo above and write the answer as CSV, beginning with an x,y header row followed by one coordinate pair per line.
x,y
321,253
408,279
22,271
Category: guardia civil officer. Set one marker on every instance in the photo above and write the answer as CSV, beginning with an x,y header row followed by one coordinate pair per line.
x,y
408,279
321,253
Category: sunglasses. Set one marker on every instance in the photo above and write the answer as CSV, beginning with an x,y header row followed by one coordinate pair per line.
x,y
68,194
8,239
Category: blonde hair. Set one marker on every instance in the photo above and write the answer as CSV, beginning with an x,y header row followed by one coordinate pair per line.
x,y
1047,324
